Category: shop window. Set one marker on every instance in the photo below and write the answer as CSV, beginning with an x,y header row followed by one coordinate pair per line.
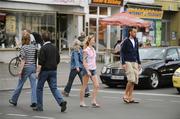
x,y
92,10
92,23
103,11
2,29
12,23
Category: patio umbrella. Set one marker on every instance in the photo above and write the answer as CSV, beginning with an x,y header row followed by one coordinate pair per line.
x,y
124,19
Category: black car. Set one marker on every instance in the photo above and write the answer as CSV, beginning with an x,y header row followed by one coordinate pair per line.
x,y
158,65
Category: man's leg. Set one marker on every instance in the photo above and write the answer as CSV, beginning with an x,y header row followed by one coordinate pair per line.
x,y
39,91
135,77
127,90
129,83
52,82
130,96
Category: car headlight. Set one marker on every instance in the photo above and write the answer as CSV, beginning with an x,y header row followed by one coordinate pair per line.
x,y
176,73
108,71
103,70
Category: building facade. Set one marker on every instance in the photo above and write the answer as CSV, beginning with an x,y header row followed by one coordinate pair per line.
x,y
98,9
64,19
170,21
151,13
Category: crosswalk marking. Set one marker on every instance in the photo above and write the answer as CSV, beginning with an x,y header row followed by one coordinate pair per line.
x,y
20,115
122,92
41,117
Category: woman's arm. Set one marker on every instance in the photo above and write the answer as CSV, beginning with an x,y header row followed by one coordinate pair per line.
x,y
85,63
21,67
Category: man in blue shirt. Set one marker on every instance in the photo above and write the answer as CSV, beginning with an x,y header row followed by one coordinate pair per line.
x,y
131,63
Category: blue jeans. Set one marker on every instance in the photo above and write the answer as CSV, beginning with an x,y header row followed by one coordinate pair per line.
x,y
51,78
28,72
72,75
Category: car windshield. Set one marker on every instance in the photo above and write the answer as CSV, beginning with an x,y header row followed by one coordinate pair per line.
x,y
151,53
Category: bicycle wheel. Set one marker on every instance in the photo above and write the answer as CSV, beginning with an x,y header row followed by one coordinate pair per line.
x,y
14,66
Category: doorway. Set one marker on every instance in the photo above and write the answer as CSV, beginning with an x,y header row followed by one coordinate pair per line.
x,y
165,33
62,32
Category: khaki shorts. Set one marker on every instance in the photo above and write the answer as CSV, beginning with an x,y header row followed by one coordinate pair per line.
x,y
132,72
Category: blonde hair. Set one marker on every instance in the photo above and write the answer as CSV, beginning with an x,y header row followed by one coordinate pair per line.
x,y
76,45
26,39
87,40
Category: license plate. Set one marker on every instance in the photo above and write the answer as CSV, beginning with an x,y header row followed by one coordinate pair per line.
x,y
117,77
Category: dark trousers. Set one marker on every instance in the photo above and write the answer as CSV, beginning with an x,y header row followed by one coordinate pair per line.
x,y
72,76
51,78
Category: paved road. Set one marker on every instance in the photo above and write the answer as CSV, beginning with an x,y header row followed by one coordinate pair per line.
x,y
8,82
154,104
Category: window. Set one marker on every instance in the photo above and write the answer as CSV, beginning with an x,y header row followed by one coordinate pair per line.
x,y
92,10
92,23
12,23
172,54
103,11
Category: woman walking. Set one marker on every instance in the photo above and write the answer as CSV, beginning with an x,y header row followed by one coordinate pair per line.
x,y
76,68
27,70
89,62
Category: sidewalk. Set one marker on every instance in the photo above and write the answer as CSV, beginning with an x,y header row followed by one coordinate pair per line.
x,y
8,82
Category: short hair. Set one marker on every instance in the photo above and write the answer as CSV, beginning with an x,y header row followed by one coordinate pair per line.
x,y
131,29
46,36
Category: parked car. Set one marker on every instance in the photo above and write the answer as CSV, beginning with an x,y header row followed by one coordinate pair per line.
x,y
176,79
158,65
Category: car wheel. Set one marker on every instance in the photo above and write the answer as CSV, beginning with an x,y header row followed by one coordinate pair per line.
x,y
153,80
178,89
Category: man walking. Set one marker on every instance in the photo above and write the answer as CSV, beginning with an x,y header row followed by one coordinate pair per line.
x,y
47,66
131,63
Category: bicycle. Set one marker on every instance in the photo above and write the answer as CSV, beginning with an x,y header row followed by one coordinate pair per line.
x,y
14,63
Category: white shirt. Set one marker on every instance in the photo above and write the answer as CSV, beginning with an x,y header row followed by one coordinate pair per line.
x,y
32,38
132,41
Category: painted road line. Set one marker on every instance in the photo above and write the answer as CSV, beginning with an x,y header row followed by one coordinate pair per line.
x,y
41,117
136,93
1,113
19,115
107,97
157,100
175,101
148,94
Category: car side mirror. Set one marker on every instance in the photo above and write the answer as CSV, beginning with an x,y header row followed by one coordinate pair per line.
x,y
169,60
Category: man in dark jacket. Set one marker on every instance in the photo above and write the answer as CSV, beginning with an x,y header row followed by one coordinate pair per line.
x,y
131,64
47,66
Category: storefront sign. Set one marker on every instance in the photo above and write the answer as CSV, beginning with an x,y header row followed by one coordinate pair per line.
x,y
56,2
10,24
146,13
141,1
112,2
